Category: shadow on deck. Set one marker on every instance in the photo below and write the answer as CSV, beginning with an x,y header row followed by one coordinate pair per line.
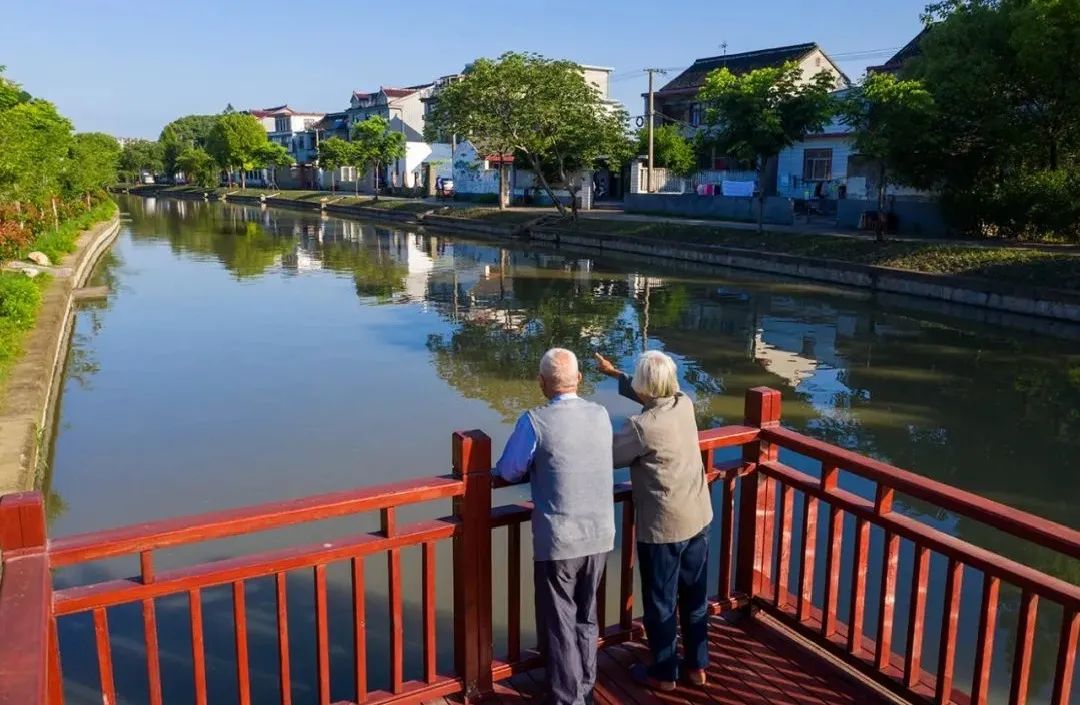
x,y
750,662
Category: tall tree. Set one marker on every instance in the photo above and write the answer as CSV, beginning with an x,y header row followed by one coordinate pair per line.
x,y
184,133
334,153
94,157
234,142
198,167
671,149
34,142
374,145
1005,77
540,108
755,115
271,155
138,156
892,121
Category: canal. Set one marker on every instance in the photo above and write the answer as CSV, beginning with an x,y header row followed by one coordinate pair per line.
x,y
247,354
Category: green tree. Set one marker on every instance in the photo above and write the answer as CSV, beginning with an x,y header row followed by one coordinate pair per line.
x,y
234,142
334,153
1005,79
138,156
892,120
34,144
374,145
198,167
542,109
184,133
93,157
271,155
671,149
755,115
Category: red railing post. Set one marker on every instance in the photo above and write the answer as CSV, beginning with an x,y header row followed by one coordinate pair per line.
x,y
762,409
26,604
472,564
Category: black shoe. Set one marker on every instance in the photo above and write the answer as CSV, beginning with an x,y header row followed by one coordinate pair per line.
x,y
641,676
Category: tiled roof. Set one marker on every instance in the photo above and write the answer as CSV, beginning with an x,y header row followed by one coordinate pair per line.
x,y
908,52
398,92
361,96
694,77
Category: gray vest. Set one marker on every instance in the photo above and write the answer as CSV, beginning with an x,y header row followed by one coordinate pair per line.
x,y
572,479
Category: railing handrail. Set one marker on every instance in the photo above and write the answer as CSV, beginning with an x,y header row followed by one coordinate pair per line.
x,y
175,531
1016,522
995,564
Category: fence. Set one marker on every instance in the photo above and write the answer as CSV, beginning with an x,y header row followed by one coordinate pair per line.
x,y
767,560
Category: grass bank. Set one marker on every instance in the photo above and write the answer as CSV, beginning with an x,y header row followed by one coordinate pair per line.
x,y
20,299
1000,263
20,295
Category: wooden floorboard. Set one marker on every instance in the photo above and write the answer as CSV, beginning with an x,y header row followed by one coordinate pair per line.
x,y
749,664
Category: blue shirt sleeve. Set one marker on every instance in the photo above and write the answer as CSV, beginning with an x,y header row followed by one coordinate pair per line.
x,y
626,388
517,456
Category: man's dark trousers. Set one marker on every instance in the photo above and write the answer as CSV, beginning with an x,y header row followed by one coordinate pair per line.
x,y
566,624
676,574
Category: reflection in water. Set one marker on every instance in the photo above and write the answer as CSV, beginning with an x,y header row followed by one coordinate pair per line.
x,y
249,354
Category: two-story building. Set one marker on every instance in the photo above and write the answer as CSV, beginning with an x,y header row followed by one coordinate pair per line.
x,y
291,129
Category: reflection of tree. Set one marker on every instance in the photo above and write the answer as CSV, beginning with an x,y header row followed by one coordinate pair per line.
x,y
233,235
493,352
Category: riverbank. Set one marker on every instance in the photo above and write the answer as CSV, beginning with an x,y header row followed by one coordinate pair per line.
x,y
28,392
1015,280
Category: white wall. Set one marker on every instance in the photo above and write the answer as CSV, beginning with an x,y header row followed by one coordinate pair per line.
x,y
789,169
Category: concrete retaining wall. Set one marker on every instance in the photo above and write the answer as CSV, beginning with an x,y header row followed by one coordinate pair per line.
x,y
1017,299
921,218
778,211
28,402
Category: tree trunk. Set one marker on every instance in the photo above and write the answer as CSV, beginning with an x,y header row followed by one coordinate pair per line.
x,y
243,178
761,197
879,226
547,188
356,185
502,185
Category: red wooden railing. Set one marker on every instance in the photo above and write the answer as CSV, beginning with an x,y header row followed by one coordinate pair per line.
x,y
766,561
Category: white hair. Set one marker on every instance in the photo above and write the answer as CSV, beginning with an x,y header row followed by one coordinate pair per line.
x,y
655,375
559,367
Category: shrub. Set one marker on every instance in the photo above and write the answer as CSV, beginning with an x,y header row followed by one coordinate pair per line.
x,y
20,297
1032,205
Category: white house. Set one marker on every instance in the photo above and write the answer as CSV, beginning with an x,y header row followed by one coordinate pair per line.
x,y
291,129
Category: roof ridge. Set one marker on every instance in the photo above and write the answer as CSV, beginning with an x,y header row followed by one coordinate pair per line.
x,y
757,52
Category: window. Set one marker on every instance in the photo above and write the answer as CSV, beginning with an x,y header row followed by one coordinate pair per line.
x,y
281,124
817,165
695,114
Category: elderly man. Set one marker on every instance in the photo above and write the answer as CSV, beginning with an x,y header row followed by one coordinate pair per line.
x,y
564,449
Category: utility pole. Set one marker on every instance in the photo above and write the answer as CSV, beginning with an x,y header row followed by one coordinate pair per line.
x,y
649,175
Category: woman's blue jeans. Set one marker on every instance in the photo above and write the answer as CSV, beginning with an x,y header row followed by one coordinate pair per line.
x,y
674,579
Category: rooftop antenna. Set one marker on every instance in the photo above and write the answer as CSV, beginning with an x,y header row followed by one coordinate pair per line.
x,y
723,48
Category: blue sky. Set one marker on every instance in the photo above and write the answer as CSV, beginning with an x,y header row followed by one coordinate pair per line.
x,y
128,67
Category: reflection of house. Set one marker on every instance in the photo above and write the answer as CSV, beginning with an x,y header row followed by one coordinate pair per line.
x,y
301,260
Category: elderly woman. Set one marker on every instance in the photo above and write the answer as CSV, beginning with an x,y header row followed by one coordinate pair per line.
x,y
673,513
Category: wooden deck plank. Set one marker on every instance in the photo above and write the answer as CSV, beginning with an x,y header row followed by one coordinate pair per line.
x,y
750,664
